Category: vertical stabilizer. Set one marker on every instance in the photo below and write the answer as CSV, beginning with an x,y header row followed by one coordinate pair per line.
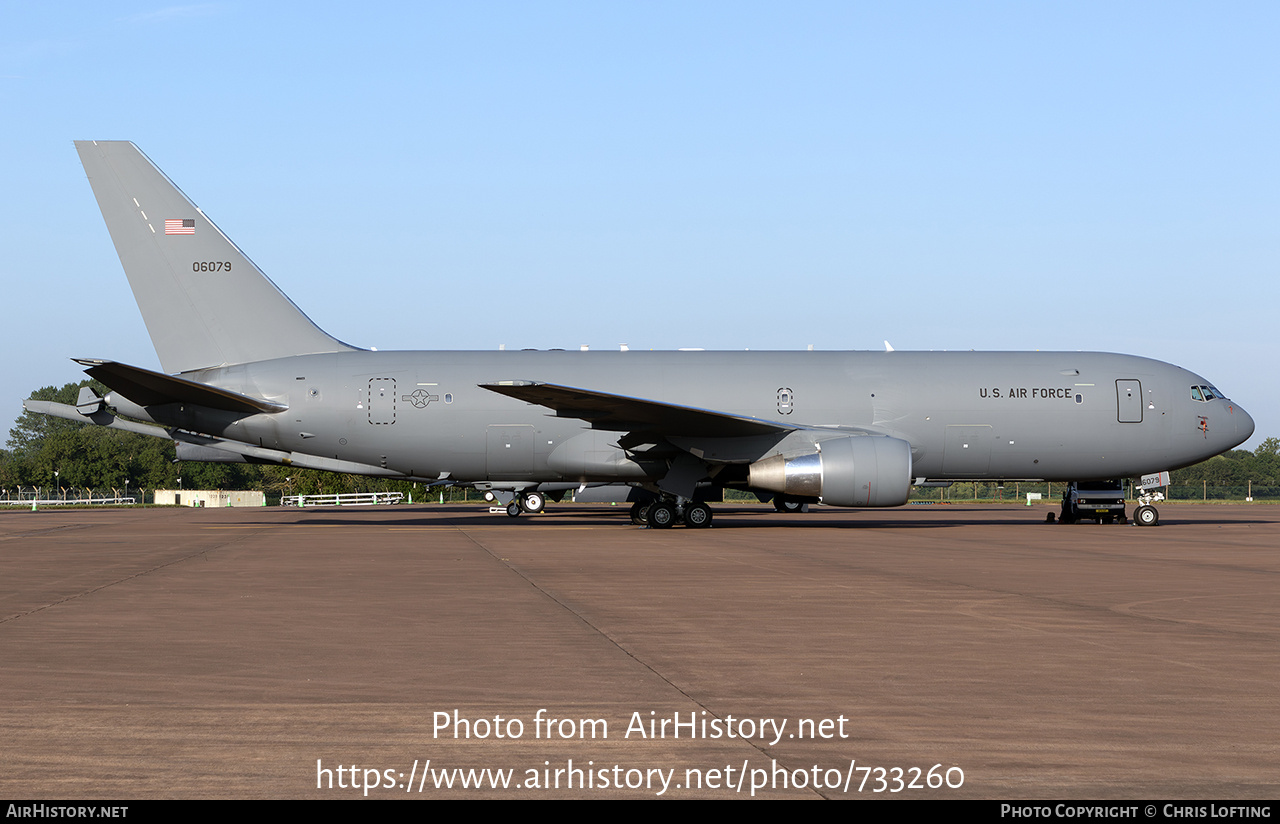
x,y
204,302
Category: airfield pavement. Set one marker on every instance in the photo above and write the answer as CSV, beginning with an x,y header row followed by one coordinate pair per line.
x,y
248,653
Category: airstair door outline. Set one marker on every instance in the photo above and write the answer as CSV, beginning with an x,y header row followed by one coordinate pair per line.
x,y
381,404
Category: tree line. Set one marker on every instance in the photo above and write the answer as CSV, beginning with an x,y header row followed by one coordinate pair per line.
x,y
83,455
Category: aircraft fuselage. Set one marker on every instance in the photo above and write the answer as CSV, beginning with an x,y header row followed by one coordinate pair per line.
x,y
1047,415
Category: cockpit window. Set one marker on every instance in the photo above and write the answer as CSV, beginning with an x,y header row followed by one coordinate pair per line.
x,y
1206,393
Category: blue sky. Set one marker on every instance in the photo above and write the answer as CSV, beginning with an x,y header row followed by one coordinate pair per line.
x,y
988,175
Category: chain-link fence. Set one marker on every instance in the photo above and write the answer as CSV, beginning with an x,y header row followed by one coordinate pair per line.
x,y
72,496
1012,491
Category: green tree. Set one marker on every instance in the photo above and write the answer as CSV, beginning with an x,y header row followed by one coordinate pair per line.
x,y
82,454
85,455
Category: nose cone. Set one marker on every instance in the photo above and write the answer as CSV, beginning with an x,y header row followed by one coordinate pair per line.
x,y
1243,423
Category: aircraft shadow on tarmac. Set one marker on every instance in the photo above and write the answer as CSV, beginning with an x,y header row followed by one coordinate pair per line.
x,y
464,516
726,518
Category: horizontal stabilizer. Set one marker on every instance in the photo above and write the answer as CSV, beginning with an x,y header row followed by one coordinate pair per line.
x,y
204,445
620,413
147,388
101,418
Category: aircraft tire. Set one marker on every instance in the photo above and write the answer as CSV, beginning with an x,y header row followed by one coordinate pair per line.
x,y
514,509
697,516
787,505
661,515
640,513
1146,516
533,502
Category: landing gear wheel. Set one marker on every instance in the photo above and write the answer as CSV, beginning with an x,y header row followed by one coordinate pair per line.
x,y
533,502
513,509
662,515
1146,516
697,516
783,504
640,513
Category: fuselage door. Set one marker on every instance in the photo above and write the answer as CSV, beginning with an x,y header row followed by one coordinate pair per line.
x,y
1129,401
967,451
382,401
510,451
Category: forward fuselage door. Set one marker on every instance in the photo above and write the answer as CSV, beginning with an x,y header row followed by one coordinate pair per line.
x,y
1129,401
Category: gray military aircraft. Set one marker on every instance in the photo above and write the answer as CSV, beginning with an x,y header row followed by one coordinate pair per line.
x,y
248,377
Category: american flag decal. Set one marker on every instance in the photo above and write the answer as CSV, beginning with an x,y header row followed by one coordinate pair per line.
x,y
179,226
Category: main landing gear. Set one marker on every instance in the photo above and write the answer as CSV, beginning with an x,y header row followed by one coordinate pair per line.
x,y
664,514
784,504
531,502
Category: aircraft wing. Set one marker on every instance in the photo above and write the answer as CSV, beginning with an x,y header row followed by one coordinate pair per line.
x,y
621,413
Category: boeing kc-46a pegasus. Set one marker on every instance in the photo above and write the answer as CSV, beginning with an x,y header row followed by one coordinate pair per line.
x,y
248,377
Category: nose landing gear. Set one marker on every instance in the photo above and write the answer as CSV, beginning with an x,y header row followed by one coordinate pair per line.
x,y
1146,514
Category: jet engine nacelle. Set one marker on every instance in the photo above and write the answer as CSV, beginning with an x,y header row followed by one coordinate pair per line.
x,y
851,471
